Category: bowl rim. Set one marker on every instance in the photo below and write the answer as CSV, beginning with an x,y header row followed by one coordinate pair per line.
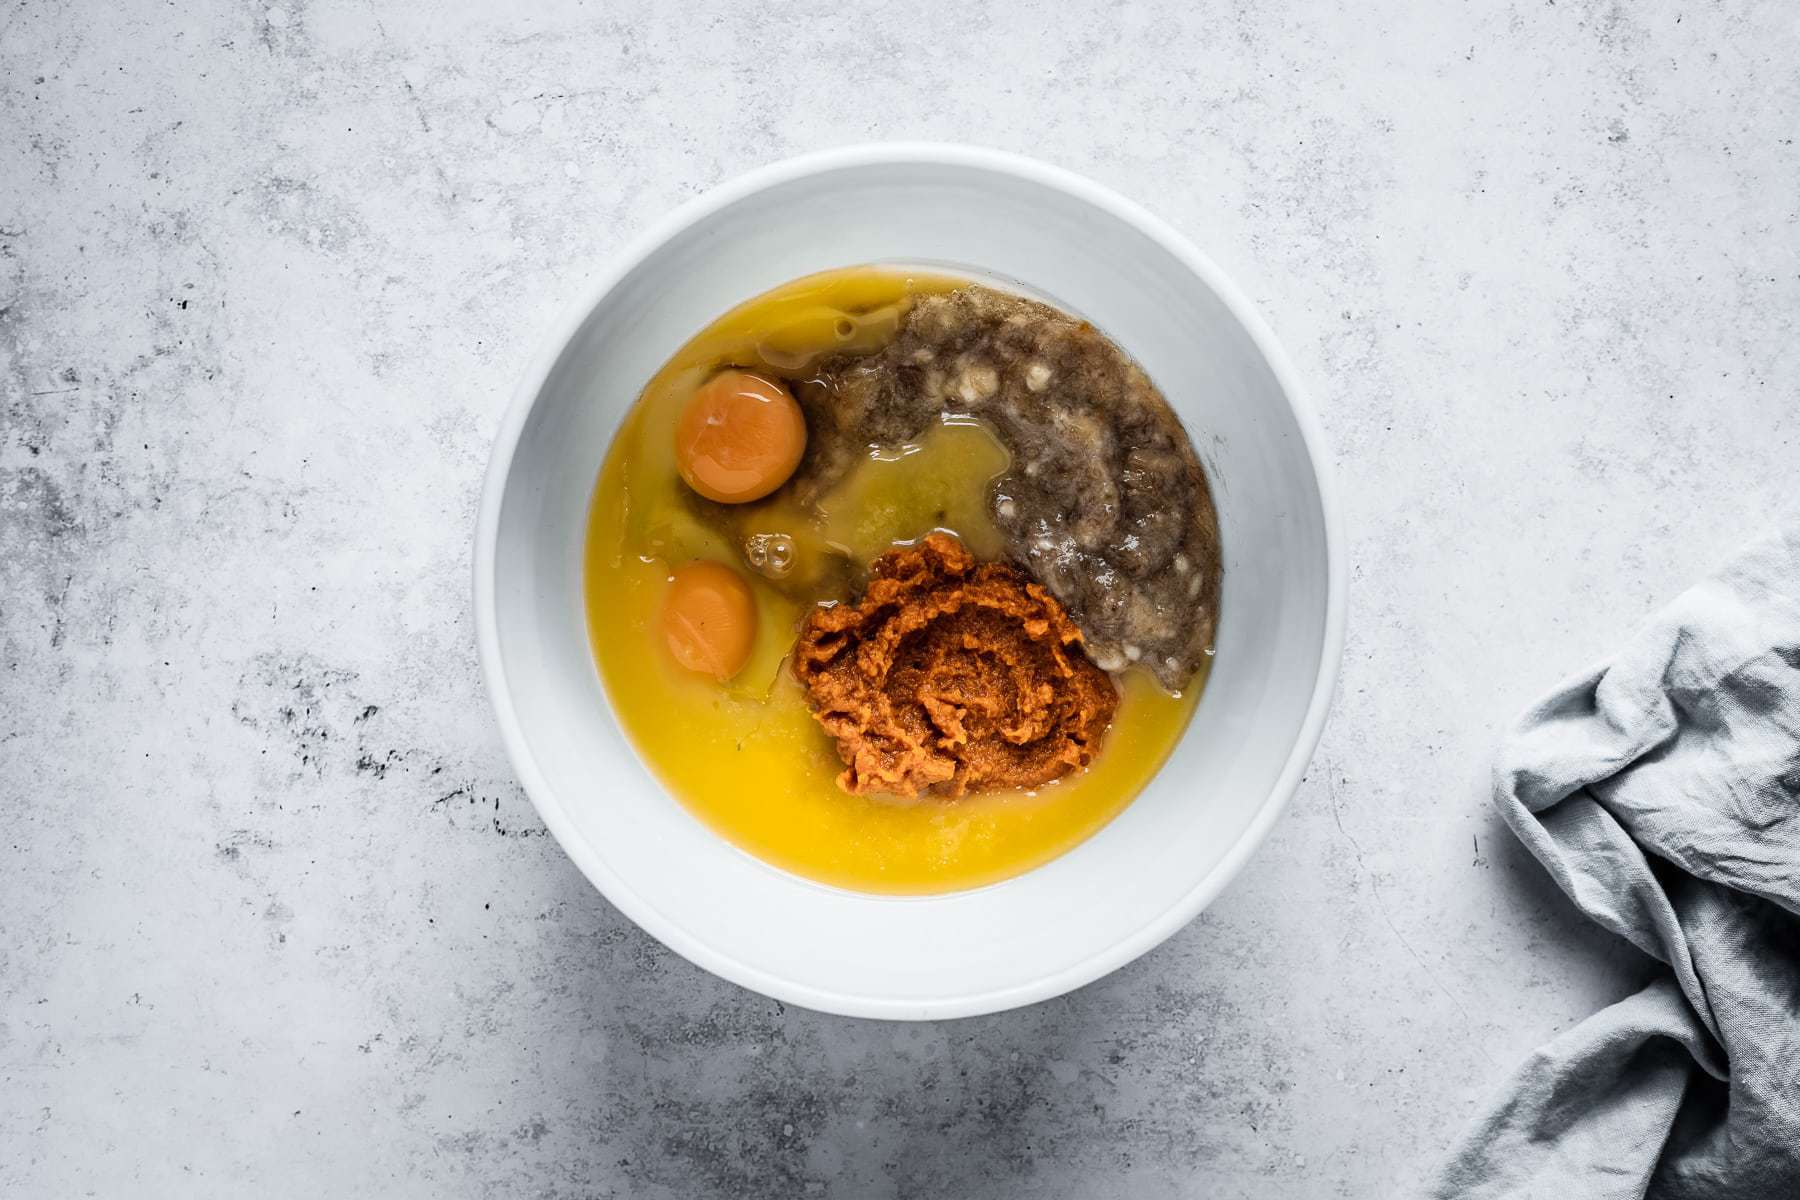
x,y
499,470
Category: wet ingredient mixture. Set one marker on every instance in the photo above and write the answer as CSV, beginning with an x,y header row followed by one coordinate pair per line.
x,y
705,559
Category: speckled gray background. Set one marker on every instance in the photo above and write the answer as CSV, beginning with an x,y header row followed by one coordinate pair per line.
x,y
274,917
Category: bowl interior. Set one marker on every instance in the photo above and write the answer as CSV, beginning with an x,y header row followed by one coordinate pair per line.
x,y
1112,897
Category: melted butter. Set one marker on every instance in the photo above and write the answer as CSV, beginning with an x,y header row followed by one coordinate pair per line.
x,y
748,758
900,495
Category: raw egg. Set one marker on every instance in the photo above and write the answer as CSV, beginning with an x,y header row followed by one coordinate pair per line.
x,y
739,438
709,619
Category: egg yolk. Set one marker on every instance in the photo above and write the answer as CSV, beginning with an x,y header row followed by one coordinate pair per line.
x,y
709,619
739,438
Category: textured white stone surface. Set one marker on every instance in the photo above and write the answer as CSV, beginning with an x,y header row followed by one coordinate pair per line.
x,y
275,919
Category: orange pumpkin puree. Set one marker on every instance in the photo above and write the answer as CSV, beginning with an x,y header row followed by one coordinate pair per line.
x,y
952,677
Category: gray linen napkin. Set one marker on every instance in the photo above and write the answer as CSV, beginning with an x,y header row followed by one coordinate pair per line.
x,y
1662,791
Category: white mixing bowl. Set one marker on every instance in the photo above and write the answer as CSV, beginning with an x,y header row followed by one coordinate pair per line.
x,y
1281,631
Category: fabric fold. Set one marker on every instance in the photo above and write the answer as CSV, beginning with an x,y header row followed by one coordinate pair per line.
x,y
1661,790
